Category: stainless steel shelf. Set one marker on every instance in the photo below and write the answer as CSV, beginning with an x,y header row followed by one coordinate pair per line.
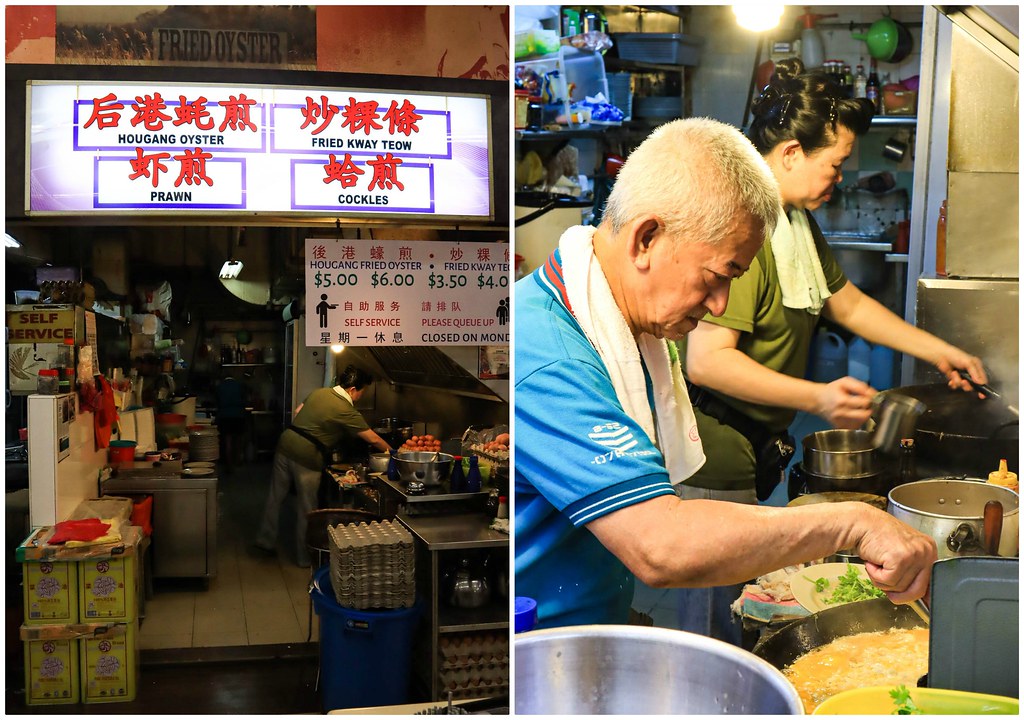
x,y
489,617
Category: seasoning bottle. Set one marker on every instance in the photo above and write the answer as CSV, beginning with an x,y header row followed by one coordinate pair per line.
x,y
492,503
860,83
457,480
502,507
473,478
874,90
908,466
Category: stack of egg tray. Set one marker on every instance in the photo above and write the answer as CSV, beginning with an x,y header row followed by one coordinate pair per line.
x,y
373,565
474,664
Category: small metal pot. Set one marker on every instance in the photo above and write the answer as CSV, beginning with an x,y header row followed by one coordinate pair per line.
x,y
425,467
839,454
379,462
952,512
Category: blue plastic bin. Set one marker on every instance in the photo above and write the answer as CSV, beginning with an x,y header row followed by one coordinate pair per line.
x,y
365,655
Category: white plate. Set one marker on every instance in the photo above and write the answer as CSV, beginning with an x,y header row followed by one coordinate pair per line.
x,y
802,584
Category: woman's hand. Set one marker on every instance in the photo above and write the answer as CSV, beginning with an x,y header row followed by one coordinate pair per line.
x,y
846,402
952,359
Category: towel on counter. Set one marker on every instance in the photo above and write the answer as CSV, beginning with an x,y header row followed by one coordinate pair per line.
x,y
796,258
674,431
770,597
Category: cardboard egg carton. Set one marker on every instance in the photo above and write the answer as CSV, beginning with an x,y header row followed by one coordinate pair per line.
x,y
373,565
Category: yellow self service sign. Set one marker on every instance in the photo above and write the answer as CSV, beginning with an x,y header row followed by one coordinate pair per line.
x,y
40,323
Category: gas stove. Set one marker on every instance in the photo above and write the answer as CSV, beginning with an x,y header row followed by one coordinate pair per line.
x,y
432,500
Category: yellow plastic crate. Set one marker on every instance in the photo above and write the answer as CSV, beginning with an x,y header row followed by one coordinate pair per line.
x,y
51,592
51,672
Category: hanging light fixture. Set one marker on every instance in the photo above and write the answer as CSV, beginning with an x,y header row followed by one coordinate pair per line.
x,y
758,17
230,269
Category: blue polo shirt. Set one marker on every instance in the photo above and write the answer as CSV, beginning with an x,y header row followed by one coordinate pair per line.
x,y
578,457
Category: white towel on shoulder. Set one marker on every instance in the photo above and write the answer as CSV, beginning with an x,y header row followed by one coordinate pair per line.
x,y
800,274
674,431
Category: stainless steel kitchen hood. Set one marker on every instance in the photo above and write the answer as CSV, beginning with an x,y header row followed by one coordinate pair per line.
x,y
425,367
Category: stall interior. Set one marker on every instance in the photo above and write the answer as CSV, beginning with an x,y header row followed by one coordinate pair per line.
x,y
196,332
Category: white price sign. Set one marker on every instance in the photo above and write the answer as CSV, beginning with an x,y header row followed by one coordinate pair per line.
x,y
392,292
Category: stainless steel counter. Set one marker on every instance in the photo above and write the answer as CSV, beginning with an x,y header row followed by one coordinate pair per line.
x,y
454,532
184,518
436,534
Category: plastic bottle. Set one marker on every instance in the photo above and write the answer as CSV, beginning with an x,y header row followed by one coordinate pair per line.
x,y
847,81
812,49
525,614
859,359
570,21
457,480
473,477
882,370
908,465
502,507
860,83
393,467
829,357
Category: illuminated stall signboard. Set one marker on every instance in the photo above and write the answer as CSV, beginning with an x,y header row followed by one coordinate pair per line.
x,y
394,293
154,148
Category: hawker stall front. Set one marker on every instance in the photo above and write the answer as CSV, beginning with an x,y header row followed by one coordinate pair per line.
x,y
284,270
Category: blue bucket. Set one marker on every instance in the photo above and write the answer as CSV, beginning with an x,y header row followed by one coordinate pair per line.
x,y
365,655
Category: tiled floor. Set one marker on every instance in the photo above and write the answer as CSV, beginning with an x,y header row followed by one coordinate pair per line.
x,y
255,599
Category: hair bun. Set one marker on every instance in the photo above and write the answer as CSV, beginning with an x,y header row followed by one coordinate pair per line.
x,y
788,69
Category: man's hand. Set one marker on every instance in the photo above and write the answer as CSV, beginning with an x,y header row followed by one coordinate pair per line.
x,y
846,402
897,558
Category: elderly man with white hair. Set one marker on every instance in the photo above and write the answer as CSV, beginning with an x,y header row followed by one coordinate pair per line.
x,y
603,422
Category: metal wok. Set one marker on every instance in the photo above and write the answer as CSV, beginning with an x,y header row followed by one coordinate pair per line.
x,y
961,434
801,636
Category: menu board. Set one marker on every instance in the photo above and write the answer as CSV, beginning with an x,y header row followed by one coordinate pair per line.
x,y
159,148
390,292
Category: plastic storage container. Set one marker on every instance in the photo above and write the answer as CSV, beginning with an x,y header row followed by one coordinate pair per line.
x,y
47,382
883,370
859,359
830,357
659,48
365,655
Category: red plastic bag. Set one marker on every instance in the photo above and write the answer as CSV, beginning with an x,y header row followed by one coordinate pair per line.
x,y
82,530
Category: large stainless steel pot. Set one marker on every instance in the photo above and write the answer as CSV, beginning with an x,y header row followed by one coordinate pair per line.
x,y
629,670
952,512
425,467
801,636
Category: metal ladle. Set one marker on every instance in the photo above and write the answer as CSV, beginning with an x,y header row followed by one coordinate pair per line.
x,y
895,417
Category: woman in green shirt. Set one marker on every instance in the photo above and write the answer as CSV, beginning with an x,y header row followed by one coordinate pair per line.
x,y
750,362
325,417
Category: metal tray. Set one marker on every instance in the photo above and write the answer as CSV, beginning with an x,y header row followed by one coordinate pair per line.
x,y
975,629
